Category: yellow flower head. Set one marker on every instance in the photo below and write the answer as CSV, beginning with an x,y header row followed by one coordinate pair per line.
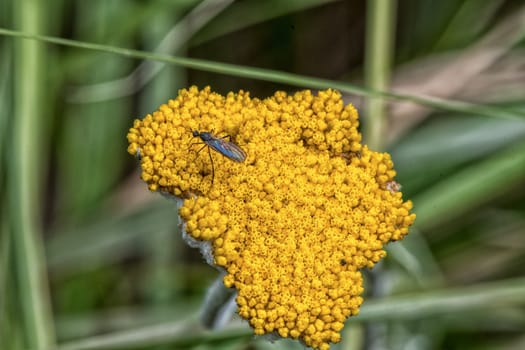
x,y
294,222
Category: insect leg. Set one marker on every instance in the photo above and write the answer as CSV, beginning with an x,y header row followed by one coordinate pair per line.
x,y
200,149
226,136
212,167
194,142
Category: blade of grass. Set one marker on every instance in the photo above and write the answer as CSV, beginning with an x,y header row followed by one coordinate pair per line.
x,y
416,257
9,337
438,148
5,101
487,296
470,187
248,13
483,297
378,54
103,241
450,78
174,40
24,178
177,334
157,89
89,162
470,19
163,247
279,77
79,325
449,141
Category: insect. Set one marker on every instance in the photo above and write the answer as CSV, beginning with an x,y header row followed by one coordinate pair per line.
x,y
393,186
227,148
138,154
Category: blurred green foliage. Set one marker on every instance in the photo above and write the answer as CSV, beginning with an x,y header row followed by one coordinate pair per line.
x,y
119,275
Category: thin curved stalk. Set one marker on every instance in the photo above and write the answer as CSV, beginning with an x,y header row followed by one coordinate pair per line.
x,y
280,77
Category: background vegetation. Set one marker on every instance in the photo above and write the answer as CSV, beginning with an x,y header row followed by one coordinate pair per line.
x,y
89,259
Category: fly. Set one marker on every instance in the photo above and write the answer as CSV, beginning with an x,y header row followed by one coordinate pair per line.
x,y
227,148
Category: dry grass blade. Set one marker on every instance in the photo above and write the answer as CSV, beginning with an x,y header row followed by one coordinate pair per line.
x,y
450,78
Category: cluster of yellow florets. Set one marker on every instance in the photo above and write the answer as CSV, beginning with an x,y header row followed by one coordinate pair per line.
x,y
292,224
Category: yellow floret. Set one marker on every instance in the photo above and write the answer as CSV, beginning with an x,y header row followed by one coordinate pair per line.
x,y
293,223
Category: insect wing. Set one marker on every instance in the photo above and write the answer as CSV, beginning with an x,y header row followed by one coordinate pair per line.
x,y
227,149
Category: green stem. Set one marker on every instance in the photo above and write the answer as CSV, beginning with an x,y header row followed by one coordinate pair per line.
x,y
280,77
24,181
379,44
